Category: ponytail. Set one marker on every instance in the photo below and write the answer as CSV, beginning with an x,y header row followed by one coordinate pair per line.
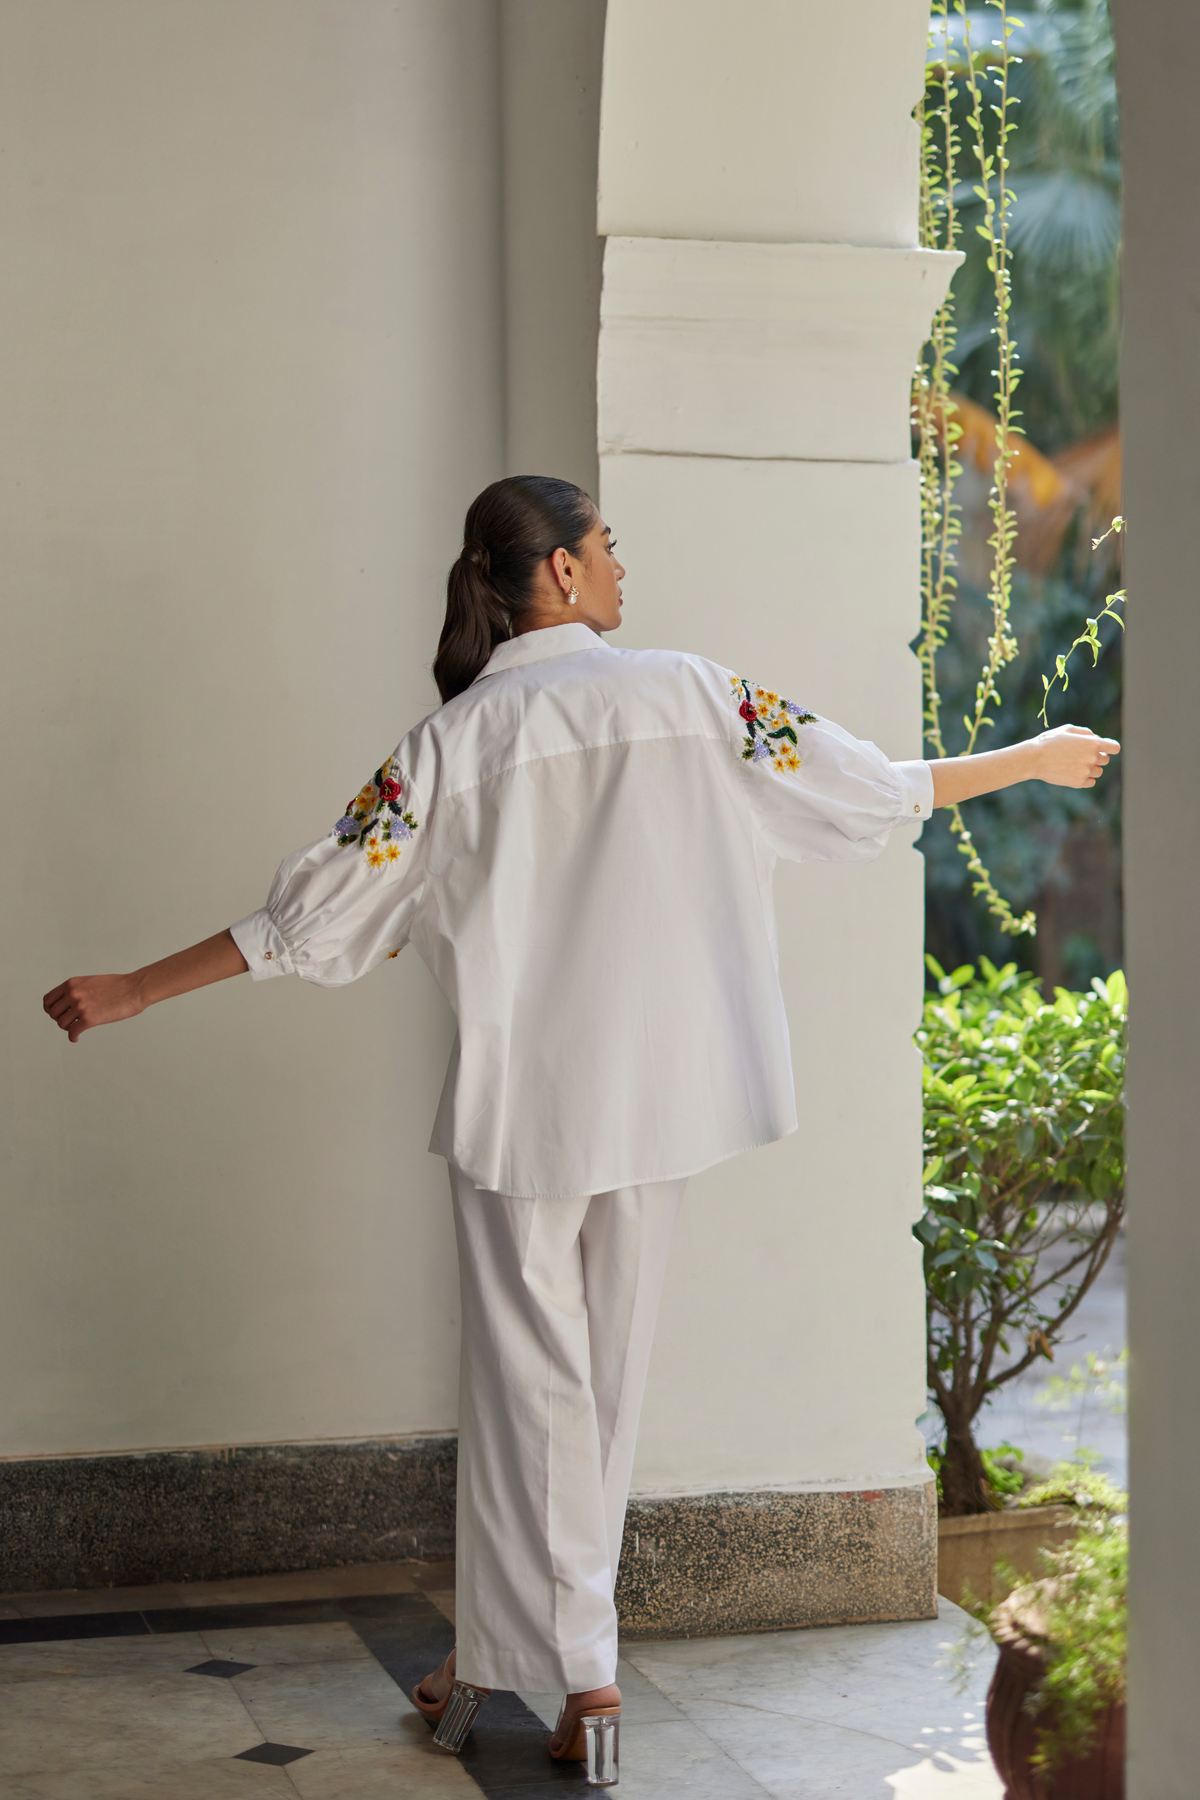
x,y
511,528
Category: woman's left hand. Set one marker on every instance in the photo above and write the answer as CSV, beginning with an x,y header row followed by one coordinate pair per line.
x,y
1071,756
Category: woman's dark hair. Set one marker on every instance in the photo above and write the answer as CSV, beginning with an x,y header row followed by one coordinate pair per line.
x,y
512,527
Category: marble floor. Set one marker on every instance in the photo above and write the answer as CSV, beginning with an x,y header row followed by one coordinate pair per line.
x,y
297,1685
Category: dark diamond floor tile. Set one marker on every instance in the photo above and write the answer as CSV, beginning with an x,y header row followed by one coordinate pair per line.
x,y
279,1755
214,1666
60,1626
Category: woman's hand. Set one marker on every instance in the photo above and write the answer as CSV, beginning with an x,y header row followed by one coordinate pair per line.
x,y
86,1000
1068,756
1072,756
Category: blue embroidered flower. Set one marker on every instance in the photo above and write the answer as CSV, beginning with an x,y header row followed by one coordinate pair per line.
x,y
374,819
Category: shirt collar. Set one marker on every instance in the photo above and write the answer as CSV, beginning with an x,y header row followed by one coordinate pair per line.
x,y
536,646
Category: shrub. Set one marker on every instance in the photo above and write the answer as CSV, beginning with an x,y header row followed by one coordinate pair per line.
x,y
1024,1184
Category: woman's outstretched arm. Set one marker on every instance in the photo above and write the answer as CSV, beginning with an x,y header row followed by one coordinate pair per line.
x,y
1068,756
86,1000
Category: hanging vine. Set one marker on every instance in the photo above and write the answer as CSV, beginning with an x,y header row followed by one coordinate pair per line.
x,y
1090,635
938,431
997,199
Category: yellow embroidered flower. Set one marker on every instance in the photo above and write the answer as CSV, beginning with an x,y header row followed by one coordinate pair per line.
x,y
392,954
367,798
391,852
789,760
375,855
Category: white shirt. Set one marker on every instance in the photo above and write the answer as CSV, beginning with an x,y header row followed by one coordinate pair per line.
x,y
580,848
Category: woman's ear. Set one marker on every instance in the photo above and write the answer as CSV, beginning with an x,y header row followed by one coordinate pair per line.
x,y
564,577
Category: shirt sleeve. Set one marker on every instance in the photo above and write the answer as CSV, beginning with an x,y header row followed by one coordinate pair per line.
x,y
346,903
818,794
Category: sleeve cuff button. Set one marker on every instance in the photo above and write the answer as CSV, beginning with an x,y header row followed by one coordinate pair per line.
x,y
268,956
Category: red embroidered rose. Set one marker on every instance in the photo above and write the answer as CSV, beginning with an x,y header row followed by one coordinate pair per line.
x,y
747,711
389,790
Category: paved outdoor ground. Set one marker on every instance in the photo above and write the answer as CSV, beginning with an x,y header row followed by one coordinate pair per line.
x,y
1017,1414
296,1686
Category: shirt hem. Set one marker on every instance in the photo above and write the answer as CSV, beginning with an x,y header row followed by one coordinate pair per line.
x,y
609,1187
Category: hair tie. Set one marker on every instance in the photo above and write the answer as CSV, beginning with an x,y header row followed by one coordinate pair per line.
x,y
477,555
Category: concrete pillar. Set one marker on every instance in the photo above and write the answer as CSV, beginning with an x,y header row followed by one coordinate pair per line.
x,y
1158,51
763,308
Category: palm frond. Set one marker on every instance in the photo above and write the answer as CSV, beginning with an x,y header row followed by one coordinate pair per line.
x,y
1065,220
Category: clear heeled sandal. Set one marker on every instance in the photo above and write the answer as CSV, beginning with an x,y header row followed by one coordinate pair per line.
x,y
595,1743
462,1704
452,1716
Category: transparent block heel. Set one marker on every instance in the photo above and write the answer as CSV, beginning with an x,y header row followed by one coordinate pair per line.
x,y
601,1740
461,1707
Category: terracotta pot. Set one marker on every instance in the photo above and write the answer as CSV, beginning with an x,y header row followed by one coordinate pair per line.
x,y
1012,1733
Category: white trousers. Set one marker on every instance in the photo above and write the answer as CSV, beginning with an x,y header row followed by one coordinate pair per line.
x,y
559,1301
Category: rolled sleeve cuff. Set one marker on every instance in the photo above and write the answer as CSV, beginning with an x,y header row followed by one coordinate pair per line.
x,y
916,782
259,941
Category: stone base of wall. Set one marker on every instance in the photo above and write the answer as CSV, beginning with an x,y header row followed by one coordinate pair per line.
x,y
692,1567
717,1563
208,1515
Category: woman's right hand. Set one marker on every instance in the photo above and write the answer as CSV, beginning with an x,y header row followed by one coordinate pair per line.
x,y
86,1000
1072,756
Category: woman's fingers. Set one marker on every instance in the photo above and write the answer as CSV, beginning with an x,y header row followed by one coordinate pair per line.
x,y
1073,756
87,1000
65,1005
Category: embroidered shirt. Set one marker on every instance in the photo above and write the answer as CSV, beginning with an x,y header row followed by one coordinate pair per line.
x,y
580,847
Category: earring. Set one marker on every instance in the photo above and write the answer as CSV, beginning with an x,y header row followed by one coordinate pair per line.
x,y
573,597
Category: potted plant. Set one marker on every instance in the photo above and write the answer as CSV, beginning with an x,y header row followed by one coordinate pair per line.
x,y
1024,1186
1056,1704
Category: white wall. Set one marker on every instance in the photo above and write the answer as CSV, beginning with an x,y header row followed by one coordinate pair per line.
x,y
755,466
253,376
257,287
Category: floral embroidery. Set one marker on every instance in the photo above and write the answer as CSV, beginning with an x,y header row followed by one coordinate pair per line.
x,y
770,726
375,819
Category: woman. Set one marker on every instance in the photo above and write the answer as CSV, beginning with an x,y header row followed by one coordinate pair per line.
x,y
579,843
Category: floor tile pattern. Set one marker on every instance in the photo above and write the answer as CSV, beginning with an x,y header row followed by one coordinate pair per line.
x,y
278,1755
309,1698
